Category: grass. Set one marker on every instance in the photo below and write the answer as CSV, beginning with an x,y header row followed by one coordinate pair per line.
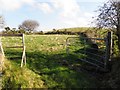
x,y
48,65
16,77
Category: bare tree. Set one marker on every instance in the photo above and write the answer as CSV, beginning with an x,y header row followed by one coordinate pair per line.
x,y
29,25
109,17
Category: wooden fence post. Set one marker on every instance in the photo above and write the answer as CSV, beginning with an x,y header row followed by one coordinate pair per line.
x,y
108,49
23,56
67,51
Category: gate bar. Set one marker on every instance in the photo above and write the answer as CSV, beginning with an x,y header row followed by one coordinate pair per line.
x,y
23,61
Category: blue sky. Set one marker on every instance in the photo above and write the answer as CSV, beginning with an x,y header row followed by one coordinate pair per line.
x,y
50,13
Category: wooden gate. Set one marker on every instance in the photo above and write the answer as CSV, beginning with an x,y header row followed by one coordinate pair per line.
x,y
23,61
94,51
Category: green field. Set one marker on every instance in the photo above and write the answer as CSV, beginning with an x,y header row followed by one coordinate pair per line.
x,y
48,65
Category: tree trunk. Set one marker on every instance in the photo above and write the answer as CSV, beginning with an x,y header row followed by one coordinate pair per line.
x,y
118,26
118,35
119,42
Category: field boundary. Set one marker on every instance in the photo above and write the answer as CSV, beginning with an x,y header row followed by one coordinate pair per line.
x,y
23,60
106,57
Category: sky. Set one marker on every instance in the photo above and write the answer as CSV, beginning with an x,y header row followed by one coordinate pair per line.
x,y
51,14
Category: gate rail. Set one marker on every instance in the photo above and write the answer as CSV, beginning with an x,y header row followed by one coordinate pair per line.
x,y
23,60
107,52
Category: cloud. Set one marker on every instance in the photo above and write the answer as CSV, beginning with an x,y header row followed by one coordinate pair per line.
x,y
10,5
91,0
70,13
42,5
69,7
45,7
83,21
29,2
13,5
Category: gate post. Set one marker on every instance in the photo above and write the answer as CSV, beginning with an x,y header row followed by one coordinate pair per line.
x,y
108,49
67,49
23,61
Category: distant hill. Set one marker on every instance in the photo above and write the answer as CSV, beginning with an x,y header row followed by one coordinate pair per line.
x,y
90,31
78,29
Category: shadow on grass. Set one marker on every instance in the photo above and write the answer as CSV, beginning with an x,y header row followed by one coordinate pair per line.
x,y
56,70
91,51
